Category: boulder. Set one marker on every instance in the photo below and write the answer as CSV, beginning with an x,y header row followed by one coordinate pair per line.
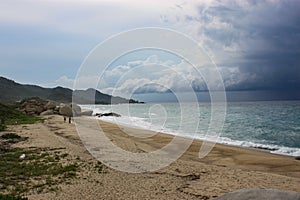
x,y
33,106
76,109
66,110
57,108
86,113
51,105
47,112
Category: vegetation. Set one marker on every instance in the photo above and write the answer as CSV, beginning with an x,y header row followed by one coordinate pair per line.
x,y
11,197
39,169
18,91
99,167
2,127
10,136
9,116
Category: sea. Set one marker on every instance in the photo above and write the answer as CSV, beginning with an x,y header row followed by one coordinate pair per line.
x,y
272,126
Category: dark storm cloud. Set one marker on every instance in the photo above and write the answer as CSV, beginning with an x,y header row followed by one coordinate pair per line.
x,y
278,65
267,37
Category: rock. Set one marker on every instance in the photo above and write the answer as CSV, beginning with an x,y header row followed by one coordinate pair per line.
x,y
87,113
110,114
69,110
33,106
39,109
76,109
47,112
66,110
51,105
57,108
271,194
22,157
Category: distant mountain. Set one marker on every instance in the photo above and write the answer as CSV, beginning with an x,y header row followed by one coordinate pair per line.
x,y
11,92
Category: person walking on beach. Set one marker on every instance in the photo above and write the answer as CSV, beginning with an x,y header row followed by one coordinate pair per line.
x,y
66,111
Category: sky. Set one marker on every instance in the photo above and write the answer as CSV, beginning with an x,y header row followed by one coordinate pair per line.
x,y
254,44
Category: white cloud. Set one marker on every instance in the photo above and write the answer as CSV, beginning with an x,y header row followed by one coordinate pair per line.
x,y
65,82
161,76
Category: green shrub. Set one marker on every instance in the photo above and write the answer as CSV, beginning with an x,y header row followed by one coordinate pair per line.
x,y
10,116
18,174
2,127
10,136
11,197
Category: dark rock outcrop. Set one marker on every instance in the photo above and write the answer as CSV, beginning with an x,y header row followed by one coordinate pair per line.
x,y
110,114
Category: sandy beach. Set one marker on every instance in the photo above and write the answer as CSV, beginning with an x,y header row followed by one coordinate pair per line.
x,y
225,169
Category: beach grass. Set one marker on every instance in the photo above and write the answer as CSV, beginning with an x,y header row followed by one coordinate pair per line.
x,y
2,127
37,171
11,197
99,167
10,116
40,169
10,136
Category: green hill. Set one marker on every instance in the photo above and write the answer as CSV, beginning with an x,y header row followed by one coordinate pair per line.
x,y
11,92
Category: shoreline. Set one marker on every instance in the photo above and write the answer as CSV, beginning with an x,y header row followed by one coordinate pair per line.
x,y
241,157
261,149
258,149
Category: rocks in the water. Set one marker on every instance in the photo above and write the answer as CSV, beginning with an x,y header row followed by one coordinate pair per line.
x,y
47,112
255,193
110,114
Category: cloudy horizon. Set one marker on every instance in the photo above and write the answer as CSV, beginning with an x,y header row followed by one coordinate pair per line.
x,y
254,44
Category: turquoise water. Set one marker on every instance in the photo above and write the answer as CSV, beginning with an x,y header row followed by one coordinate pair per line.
x,y
270,125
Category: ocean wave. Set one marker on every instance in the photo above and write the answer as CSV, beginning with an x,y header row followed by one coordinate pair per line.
x,y
136,122
145,123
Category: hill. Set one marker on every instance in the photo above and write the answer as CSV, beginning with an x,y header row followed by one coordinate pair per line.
x,y
11,92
